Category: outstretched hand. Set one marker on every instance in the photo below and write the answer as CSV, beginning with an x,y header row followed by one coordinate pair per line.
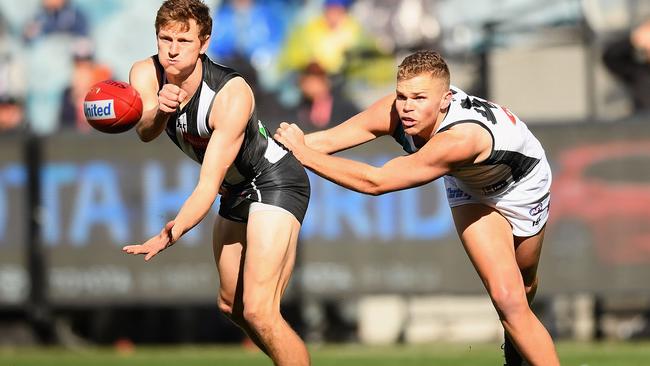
x,y
291,136
154,245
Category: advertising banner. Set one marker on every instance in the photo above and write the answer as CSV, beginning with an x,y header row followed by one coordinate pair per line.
x,y
101,192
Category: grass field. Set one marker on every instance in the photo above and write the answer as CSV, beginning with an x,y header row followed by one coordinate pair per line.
x,y
571,354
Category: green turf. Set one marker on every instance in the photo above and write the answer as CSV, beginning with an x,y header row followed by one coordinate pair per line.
x,y
571,354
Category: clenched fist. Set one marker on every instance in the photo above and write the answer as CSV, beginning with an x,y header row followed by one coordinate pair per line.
x,y
290,135
170,97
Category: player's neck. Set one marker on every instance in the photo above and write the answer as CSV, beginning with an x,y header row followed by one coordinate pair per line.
x,y
439,119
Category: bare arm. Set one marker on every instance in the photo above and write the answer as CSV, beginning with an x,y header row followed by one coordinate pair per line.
x,y
230,113
378,120
156,107
464,144
228,117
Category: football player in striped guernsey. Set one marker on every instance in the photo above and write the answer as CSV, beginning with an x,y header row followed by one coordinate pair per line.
x,y
208,111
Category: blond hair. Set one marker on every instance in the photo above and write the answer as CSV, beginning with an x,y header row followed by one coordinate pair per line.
x,y
422,62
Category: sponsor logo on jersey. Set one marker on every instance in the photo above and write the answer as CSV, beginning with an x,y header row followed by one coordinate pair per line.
x,y
99,109
457,193
496,187
196,141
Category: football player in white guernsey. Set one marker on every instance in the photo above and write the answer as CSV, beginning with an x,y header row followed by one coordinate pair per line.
x,y
496,176
254,247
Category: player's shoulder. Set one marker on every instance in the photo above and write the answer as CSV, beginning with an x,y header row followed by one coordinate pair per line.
x,y
460,100
210,63
146,72
467,108
235,87
235,94
144,67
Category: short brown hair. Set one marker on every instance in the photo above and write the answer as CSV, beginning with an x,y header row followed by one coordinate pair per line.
x,y
421,62
182,11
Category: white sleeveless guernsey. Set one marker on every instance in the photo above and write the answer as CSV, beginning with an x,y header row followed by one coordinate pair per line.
x,y
515,178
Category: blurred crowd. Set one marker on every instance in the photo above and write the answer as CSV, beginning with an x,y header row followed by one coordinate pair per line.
x,y
298,55
315,62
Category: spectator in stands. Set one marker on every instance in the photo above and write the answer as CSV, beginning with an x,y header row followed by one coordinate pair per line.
x,y
12,81
400,24
629,59
250,29
85,72
56,16
12,114
321,103
326,39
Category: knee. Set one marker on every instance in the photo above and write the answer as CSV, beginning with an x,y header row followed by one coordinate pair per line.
x,y
529,274
260,318
509,301
531,285
227,308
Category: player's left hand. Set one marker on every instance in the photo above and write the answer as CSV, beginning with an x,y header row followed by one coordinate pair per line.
x,y
154,245
291,136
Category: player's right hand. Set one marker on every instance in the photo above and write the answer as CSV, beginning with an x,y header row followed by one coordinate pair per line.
x,y
290,135
170,97
154,245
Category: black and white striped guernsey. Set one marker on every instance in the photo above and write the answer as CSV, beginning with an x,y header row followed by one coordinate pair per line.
x,y
189,129
262,172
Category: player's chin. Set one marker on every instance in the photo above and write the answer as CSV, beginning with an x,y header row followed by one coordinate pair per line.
x,y
411,130
173,69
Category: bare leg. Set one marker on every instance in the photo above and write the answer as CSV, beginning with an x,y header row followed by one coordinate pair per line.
x,y
270,255
527,252
489,243
229,246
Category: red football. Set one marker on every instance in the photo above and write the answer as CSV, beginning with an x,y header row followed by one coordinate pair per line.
x,y
112,106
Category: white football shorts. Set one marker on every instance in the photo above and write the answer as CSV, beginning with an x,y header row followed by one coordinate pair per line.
x,y
525,204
